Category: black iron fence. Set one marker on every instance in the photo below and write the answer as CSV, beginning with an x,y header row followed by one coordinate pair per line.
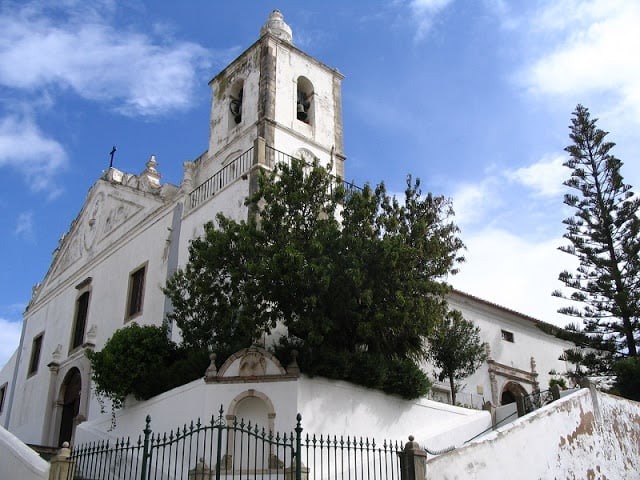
x,y
236,450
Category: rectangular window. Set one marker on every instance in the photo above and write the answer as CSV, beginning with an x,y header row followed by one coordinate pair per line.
x,y
80,322
36,346
3,395
507,336
136,292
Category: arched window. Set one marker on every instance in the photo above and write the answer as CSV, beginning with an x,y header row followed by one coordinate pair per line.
x,y
304,100
235,103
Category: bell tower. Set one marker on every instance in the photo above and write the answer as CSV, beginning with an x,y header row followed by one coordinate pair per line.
x,y
276,92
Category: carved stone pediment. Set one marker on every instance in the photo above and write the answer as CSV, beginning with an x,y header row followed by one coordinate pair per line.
x,y
253,364
103,214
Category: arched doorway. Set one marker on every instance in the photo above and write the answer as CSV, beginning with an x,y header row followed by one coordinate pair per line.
x,y
246,450
70,404
510,392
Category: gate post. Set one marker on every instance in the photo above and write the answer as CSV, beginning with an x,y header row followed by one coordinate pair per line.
x,y
145,448
299,447
61,464
296,471
413,461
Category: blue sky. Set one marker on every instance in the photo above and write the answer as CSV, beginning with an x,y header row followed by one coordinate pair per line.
x,y
473,97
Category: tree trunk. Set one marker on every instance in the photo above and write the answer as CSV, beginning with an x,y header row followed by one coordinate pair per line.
x,y
453,390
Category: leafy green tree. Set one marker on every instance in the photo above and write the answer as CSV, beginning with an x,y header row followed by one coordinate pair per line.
x,y
353,274
132,362
142,361
215,301
627,381
456,350
604,235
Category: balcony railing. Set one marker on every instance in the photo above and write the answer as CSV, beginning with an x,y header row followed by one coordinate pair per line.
x,y
241,166
223,177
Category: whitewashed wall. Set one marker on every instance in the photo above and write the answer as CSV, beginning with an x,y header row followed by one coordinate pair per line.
x,y
585,435
336,407
327,407
6,378
18,461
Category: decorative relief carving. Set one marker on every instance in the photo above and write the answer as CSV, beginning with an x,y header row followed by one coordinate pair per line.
x,y
116,215
91,223
120,211
72,253
252,364
249,365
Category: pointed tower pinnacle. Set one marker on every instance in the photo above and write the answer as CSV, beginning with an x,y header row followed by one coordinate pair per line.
x,y
277,27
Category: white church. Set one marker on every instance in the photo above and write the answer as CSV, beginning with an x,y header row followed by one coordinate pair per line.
x,y
271,103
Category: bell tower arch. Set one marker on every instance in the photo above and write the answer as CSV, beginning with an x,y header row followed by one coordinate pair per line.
x,y
277,92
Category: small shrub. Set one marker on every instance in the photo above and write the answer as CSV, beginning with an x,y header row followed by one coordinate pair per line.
x,y
561,382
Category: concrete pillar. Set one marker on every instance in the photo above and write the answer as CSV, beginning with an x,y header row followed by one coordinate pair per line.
x,y
52,414
520,405
413,461
555,392
259,151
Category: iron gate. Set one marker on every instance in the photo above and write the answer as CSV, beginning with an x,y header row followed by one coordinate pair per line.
x,y
236,450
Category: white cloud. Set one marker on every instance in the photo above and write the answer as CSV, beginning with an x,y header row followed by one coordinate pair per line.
x,y
516,273
24,225
424,13
586,50
473,202
544,177
138,74
503,11
9,339
25,148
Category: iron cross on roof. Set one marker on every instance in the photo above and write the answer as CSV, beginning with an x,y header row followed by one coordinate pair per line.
x,y
112,153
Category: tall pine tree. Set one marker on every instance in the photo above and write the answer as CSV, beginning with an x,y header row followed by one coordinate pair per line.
x,y
604,235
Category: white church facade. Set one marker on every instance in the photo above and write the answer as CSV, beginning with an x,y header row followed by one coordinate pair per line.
x,y
133,232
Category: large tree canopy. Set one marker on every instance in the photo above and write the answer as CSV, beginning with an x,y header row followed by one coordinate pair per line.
x,y
348,271
604,234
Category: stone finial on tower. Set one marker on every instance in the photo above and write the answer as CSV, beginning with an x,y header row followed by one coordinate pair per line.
x,y
277,26
151,175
